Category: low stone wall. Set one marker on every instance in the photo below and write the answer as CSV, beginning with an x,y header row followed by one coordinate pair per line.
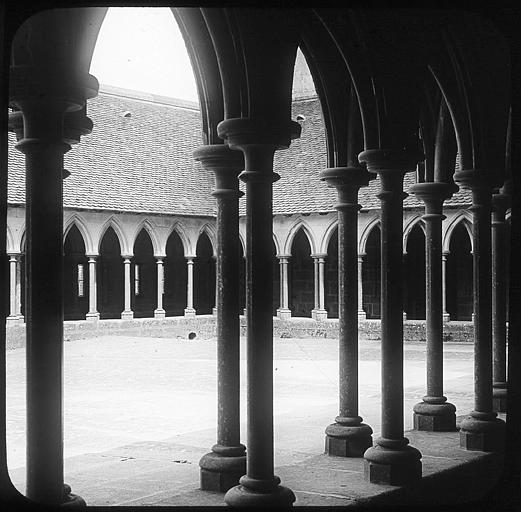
x,y
203,326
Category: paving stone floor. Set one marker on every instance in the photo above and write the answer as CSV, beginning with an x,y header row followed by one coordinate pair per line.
x,y
140,412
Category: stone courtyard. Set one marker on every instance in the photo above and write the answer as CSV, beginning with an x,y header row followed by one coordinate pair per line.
x,y
140,412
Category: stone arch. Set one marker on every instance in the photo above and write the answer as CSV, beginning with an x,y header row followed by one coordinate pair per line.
x,y
115,225
10,248
204,271
371,279
409,226
143,273
464,217
210,232
179,230
300,224
147,226
364,235
327,236
77,221
276,243
301,274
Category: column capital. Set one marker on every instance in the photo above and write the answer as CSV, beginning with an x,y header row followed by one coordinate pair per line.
x,y
127,257
476,180
500,203
319,255
390,161
433,194
244,132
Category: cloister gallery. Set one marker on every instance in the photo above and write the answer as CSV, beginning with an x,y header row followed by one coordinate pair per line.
x,y
141,220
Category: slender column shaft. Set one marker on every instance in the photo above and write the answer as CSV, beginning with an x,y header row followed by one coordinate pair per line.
x,y
499,292
13,263
281,279
482,281
391,256
446,315
316,283
160,312
360,285
44,308
93,289
190,284
127,313
284,282
321,301
18,304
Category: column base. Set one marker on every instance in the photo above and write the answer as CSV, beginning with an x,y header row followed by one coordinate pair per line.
x,y
395,463
319,314
259,493
219,472
362,315
189,312
159,313
404,316
483,432
14,320
434,417
499,397
127,315
348,438
446,317
92,316
71,501
282,313
214,311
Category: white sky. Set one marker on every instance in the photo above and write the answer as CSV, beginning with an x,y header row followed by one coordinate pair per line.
x,y
142,49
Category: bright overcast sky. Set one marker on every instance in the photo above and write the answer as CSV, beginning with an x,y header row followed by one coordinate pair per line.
x,y
142,49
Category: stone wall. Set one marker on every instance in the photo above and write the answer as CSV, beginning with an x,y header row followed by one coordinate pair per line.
x,y
203,326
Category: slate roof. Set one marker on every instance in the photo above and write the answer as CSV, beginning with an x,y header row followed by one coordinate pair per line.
x,y
144,163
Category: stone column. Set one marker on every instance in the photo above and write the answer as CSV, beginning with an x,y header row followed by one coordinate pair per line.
x,y
44,144
189,310
361,312
14,288
127,314
404,313
445,315
93,313
434,413
284,313
482,430
391,460
348,436
500,203
159,312
259,487
222,468
319,312
216,301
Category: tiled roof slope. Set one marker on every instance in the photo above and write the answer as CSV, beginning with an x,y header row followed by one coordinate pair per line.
x,y
141,163
144,163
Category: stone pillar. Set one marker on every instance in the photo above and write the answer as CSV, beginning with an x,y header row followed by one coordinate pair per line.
x,y
391,460
445,315
259,487
93,313
434,413
500,202
361,313
216,301
189,310
14,289
482,430
127,314
404,314
222,468
44,143
284,313
315,287
348,436
319,313
159,312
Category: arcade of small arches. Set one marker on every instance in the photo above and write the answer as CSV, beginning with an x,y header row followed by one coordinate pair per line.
x,y
124,266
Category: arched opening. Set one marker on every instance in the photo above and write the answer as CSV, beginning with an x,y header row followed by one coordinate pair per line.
x,y
204,276
459,275
175,277
144,277
414,277
75,276
371,275
331,276
302,299
111,275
